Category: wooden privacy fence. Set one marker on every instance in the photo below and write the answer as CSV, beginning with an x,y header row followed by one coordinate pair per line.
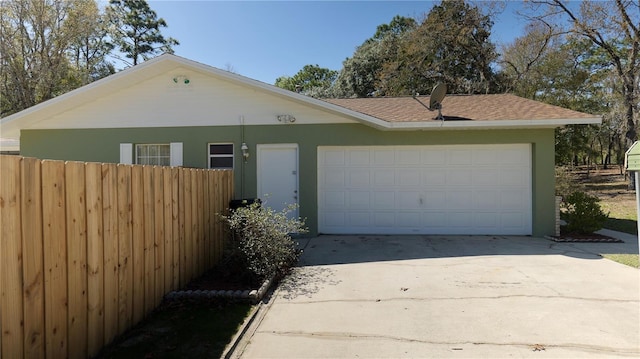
x,y
89,249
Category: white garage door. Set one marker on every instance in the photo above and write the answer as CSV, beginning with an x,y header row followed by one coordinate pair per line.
x,y
457,189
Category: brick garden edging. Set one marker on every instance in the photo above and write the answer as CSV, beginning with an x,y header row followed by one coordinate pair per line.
x,y
254,295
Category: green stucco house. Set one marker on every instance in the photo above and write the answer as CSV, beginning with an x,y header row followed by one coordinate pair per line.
x,y
366,166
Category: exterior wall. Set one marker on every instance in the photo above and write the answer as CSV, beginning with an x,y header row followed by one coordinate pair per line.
x,y
103,145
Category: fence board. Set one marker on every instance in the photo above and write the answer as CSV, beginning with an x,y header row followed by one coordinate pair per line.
x,y
11,250
110,226
195,238
33,266
158,239
125,269
76,258
217,203
202,239
149,227
206,211
167,183
138,249
176,226
55,258
95,258
186,244
215,183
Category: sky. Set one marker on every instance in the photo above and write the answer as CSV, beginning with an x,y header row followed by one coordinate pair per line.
x,y
264,40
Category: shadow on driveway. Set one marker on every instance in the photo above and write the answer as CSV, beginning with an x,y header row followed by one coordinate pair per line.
x,y
329,249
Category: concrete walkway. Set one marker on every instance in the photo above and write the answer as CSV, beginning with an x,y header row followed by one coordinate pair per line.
x,y
460,297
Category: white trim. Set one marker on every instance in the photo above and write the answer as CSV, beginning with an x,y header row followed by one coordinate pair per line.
x,y
126,153
7,144
232,155
175,154
492,124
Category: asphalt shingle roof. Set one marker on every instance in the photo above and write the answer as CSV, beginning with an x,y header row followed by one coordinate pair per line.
x,y
498,107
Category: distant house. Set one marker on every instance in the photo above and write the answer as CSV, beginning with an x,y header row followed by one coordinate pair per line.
x,y
371,165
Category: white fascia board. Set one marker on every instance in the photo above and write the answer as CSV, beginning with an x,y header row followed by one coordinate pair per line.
x,y
501,124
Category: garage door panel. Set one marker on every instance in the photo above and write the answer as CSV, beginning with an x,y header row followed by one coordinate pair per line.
x,y
434,157
434,177
460,219
333,178
408,200
359,200
512,220
486,176
384,219
359,157
512,177
461,199
359,178
434,199
383,178
459,177
384,199
487,200
488,220
409,220
359,219
333,199
485,157
456,189
459,157
513,158
512,200
408,177
408,157
334,158
383,157
434,220
335,219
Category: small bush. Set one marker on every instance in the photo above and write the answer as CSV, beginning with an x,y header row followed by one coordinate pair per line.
x,y
262,238
583,213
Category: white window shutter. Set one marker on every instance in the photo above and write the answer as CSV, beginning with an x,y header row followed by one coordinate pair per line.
x,y
126,153
176,154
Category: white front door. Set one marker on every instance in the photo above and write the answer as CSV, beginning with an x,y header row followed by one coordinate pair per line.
x,y
278,175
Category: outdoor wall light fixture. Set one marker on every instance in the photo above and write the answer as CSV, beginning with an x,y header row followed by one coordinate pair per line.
x,y
245,151
286,118
181,79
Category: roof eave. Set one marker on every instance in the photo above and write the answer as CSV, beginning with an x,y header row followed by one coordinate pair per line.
x,y
493,124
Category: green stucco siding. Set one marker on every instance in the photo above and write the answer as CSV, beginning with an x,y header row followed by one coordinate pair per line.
x,y
102,145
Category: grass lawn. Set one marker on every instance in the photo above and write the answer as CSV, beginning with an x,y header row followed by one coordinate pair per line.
x,y
181,330
618,201
628,259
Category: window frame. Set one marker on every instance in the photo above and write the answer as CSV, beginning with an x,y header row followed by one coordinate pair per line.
x,y
167,158
230,155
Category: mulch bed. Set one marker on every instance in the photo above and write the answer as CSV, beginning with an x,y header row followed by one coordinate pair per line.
x,y
584,238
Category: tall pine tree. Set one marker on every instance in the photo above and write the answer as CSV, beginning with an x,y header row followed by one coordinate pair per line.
x,y
135,30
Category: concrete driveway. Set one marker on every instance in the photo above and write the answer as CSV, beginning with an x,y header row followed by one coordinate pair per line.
x,y
438,296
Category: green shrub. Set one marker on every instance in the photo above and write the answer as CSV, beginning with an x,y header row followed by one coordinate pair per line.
x,y
262,239
566,182
583,213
